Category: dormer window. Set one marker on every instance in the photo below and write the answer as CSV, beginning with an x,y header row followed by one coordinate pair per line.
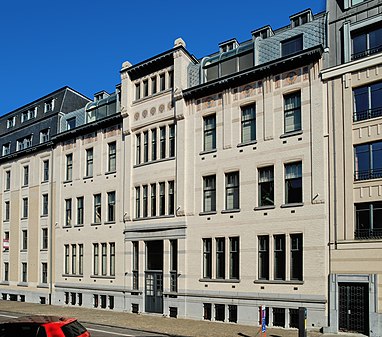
x,y
6,149
366,42
228,45
49,105
300,18
29,114
291,46
24,143
263,33
11,122
71,123
44,136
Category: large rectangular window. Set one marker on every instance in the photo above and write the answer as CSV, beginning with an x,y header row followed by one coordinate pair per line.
x,y
135,265
209,193
162,142
172,140
263,242
66,262
207,258
68,212
367,102
44,238
171,198
7,210
248,123
74,259
154,144
69,167
97,208
153,188
368,220
145,201
368,161
220,258
95,258
25,207
138,149
232,191
145,146
45,174
112,258
162,199
266,186
293,183
112,157
137,202
104,259
367,42
24,240
296,261
292,112
292,45
173,265
80,259
80,210
7,180
234,260
45,205
89,163
6,271
279,257
111,206
209,133
24,272
25,175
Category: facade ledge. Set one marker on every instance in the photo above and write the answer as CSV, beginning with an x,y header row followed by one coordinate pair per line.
x,y
219,280
253,142
296,204
72,275
109,223
291,134
4,283
87,177
154,162
67,181
43,216
96,224
110,173
296,282
207,152
263,208
154,217
22,284
225,211
43,285
79,225
103,277
207,213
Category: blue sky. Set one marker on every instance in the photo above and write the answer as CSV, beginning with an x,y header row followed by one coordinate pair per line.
x,y
46,45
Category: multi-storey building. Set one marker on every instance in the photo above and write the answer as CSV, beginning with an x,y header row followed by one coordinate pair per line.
x,y
27,193
354,90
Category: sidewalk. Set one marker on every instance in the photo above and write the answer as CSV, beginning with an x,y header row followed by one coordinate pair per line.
x,y
171,326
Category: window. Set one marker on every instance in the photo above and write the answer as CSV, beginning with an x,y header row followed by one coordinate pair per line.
x,y
111,207
97,208
232,313
25,175
6,241
66,263
162,142
291,46
219,312
232,191
71,123
144,201
153,199
44,238
162,199
104,259
296,257
112,156
366,42
154,144
112,258
279,257
45,170
153,85
171,198
11,122
137,202
24,143
207,311
24,240
171,79
49,105
368,161
95,258
81,259
162,82
209,193
135,265
6,149
355,2
368,220
137,90
220,258
89,162
138,149
292,112
7,208
172,140
367,102
263,242
74,259
25,208
145,88
248,124
44,136
24,272
145,146
266,186
6,271
68,212
293,183
279,317
7,180
207,258
234,258
173,265
45,204
80,210
69,167
210,133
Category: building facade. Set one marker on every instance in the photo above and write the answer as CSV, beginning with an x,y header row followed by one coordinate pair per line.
x,y
354,90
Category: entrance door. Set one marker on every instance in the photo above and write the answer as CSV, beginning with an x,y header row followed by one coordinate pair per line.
x,y
154,292
353,307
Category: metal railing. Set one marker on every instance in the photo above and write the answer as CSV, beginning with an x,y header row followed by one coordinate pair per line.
x,y
369,233
368,174
367,114
366,52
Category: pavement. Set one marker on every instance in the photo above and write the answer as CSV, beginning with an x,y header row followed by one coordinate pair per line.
x,y
155,323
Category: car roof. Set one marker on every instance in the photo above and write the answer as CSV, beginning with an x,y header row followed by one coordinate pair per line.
x,y
39,319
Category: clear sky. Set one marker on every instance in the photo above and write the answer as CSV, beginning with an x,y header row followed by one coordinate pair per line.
x,y
47,44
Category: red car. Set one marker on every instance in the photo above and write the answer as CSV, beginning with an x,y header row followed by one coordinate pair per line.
x,y
43,326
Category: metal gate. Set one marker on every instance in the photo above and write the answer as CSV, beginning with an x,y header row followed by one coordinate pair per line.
x,y
353,307
154,292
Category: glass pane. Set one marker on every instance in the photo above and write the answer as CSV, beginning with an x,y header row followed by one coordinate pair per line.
x,y
376,95
228,67
246,61
375,40
361,99
359,45
362,159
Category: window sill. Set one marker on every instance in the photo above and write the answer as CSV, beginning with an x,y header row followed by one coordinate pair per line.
x,y
207,152
79,225
235,210
43,215
22,284
291,134
110,172
88,177
43,285
109,223
208,213
96,224
43,249
296,204
23,250
155,217
45,181
212,280
102,276
72,275
4,283
278,282
153,162
264,208
252,142
67,181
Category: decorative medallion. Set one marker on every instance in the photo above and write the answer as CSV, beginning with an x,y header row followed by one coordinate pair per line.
x,y
247,90
136,116
291,77
144,113
161,108
153,111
